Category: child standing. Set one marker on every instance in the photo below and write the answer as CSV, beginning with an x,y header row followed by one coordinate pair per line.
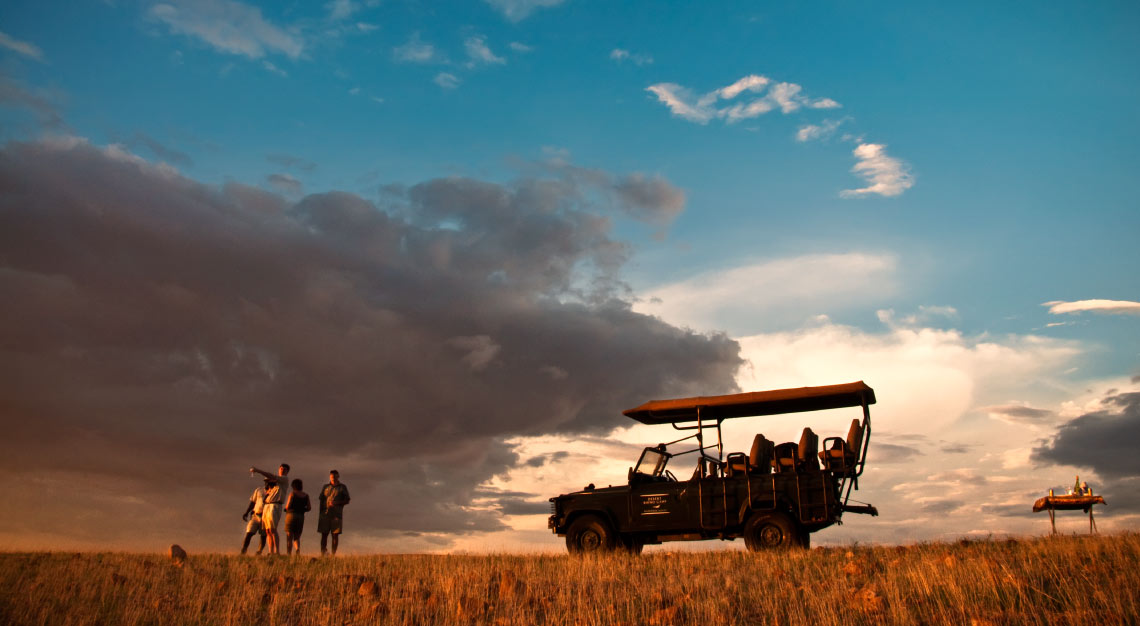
x,y
295,508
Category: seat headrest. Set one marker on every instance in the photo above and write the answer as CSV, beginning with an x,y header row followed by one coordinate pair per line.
x,y
855,436
809,444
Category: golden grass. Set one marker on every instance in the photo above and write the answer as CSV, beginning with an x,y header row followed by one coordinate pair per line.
x,y
1063,580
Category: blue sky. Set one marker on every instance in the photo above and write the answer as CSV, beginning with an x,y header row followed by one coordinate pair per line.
x,y
998,147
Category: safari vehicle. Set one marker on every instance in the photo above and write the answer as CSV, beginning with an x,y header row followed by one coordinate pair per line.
x,y
774,496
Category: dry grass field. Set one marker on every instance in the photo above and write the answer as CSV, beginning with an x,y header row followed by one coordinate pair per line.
x,y
1062,580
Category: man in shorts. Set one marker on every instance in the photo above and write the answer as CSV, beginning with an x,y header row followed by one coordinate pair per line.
x,y
333,497
252,517
274,501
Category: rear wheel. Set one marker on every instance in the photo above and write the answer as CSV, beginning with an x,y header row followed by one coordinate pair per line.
x,y
590,534
768,531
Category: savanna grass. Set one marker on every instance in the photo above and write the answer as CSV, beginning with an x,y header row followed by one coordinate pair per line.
x,y
1062,580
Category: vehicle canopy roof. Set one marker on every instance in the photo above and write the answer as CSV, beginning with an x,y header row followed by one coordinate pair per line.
x,y
775,402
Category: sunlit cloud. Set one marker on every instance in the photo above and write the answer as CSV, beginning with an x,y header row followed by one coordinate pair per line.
x,y
742,299
886,175
812,132
1110,307
787,97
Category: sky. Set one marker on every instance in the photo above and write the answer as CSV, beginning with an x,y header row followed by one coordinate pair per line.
x,y
440,246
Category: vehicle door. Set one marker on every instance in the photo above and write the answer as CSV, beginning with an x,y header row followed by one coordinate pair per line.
x,y
658,500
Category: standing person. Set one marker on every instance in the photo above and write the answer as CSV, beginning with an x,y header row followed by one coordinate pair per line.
x,y
274,500
333,497
295,508
252,516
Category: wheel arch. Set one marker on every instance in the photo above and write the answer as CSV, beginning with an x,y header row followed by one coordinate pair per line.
x,y
606,515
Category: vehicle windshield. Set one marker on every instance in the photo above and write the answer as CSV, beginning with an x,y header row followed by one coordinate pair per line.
x,y
652,461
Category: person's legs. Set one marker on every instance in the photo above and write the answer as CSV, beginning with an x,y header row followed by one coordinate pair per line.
x,y
324,543
335,541
288,542
245,544
261,534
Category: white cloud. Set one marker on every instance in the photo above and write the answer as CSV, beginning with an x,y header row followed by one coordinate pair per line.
x,y
787,97
273,68
811,132
824,103
620,55
516,10
21,47
416,51
887,175
1112,307
446,80
779,292
229,26
520,47
478,52
752,82
377,99
680,102
366,27
925,316
340,9
926,378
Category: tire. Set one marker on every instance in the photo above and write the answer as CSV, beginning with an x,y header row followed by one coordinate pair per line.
x,y
772,531
590,534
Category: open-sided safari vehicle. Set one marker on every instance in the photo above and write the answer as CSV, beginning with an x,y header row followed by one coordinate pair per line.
x,y
774,496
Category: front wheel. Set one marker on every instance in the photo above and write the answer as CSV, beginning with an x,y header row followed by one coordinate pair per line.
x,y
590,534
768,531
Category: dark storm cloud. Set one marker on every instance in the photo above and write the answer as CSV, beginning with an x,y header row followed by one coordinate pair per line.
x,y
892,453
653,200
519,506
285,183
14,94
1008,510
158,149
161,335
1105,441
539,461
1019,413
942,506
291,162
